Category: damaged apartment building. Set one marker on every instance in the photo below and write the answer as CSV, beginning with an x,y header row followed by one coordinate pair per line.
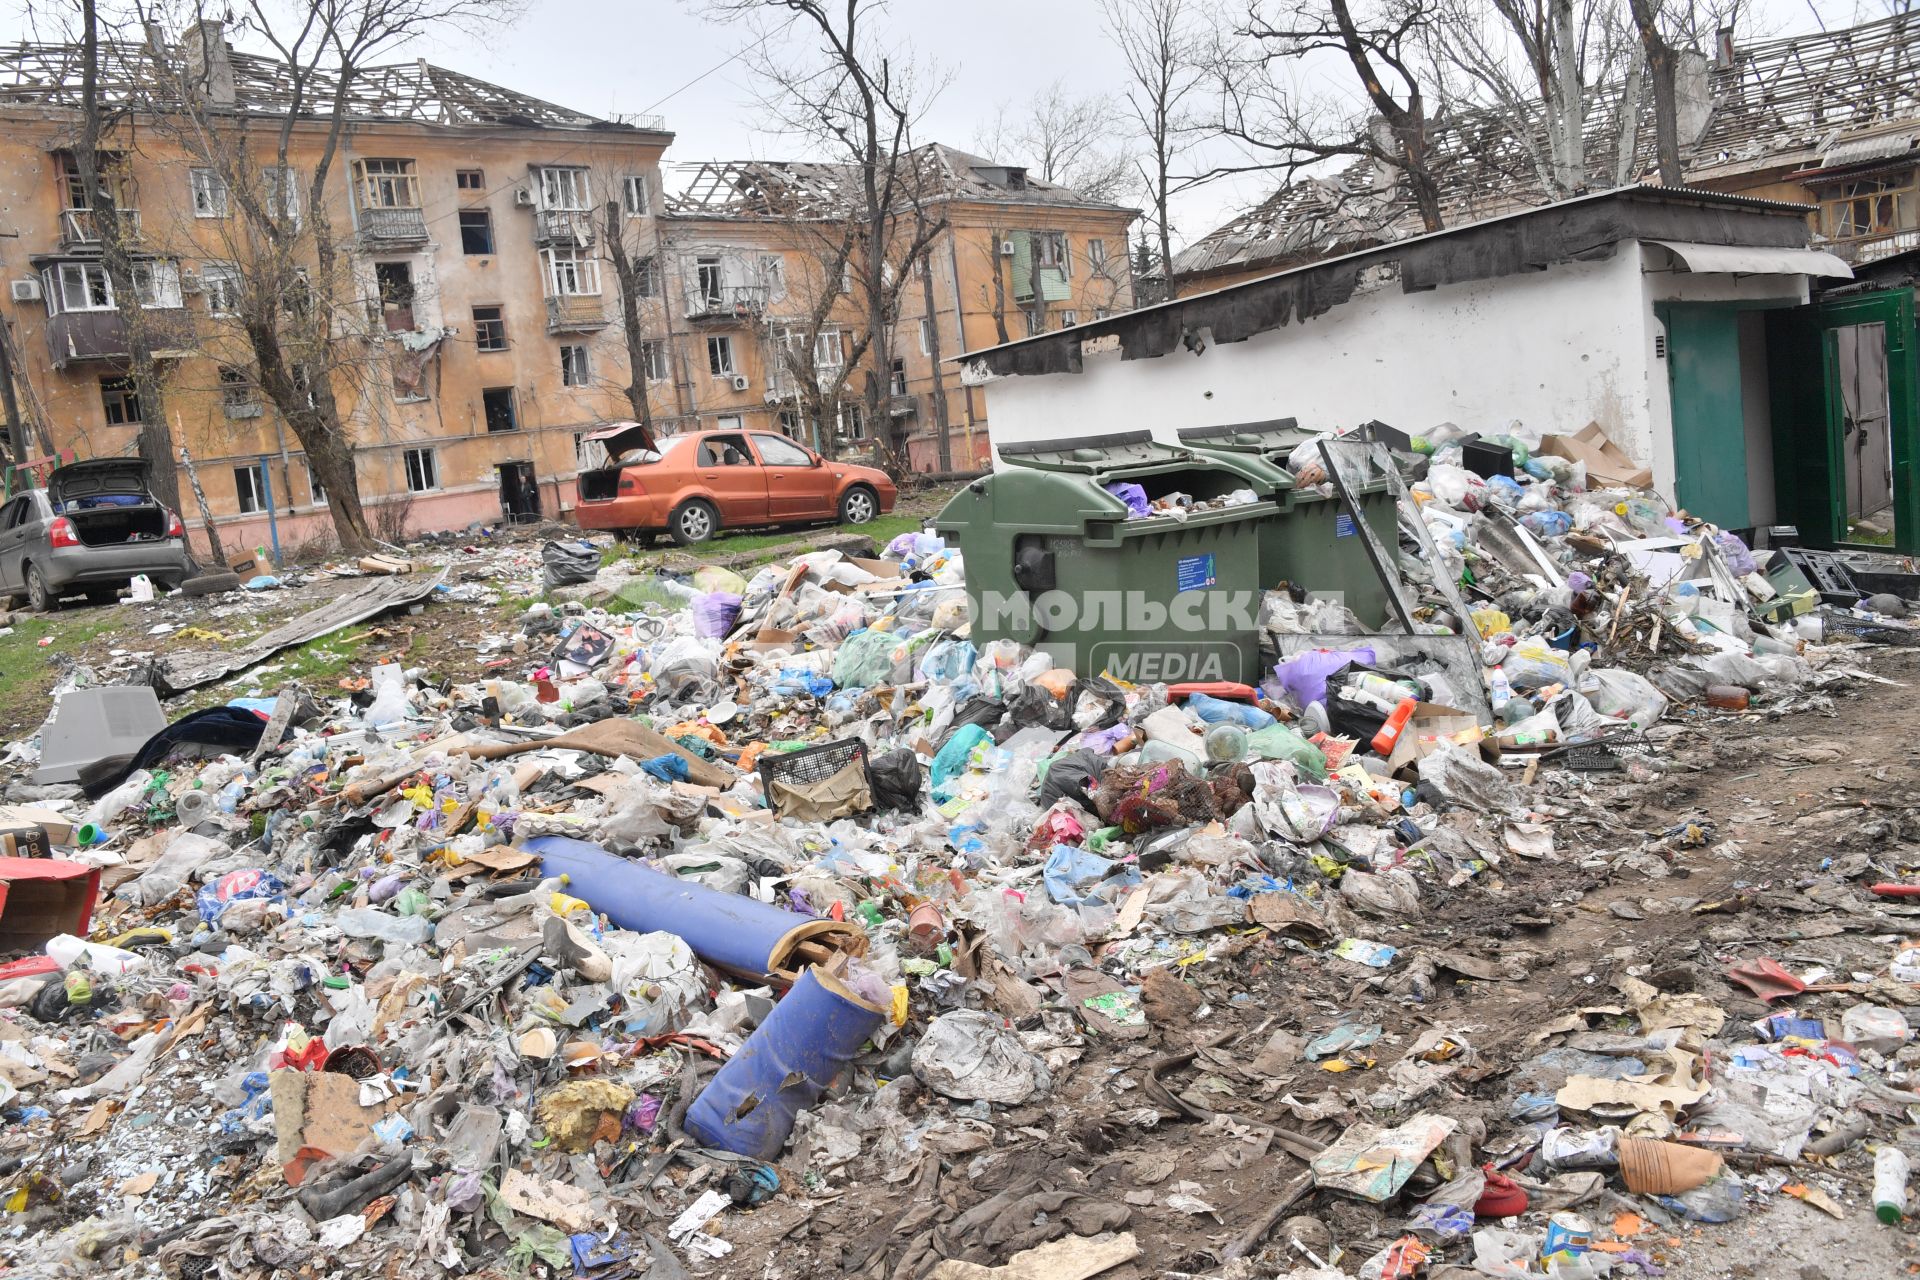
x,y
763,260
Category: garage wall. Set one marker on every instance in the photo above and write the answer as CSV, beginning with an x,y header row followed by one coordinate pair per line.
x,y
1554,350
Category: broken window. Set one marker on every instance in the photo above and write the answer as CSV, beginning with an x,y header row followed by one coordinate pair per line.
x,y
773,273
1052,248
489,328
571,273
1069,318
209,194
121,401
388,184
282,189
238,396
220,282
156,282
573,366
710,278
646,272
317,492
1871,207
653,357
476,231
1096,253
926,338
635,197
496,406
853,426
564,188
84,286
897,384
394,281
720,356
423,471
248,492
469,180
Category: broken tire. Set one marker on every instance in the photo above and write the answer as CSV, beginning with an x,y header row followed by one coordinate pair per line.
x,y
210,584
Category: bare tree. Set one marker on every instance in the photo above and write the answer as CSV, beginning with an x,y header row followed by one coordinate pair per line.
x,y
1288,128
1162,45
636,271
1067,140
296,303
1525,61
838,85
1663,68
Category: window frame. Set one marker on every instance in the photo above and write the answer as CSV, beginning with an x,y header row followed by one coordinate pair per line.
x,y
653,354
160,290
281,184
897,378
548,181
86,275
124,394
581,265
646,271
486,411
428,468
485,217
495,325
248,499
1096,252
316,492
221,283
719,368
926,336
402,182
1900,192
1045,240
460,177
239,393
636,184
575,369
207,184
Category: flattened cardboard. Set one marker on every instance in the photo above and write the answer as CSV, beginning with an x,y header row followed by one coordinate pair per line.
x,y
1608,466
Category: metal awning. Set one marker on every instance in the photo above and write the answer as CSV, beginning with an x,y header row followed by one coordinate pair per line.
x,y
1756,260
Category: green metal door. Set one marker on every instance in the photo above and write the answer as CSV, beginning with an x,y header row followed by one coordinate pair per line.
x,y
1709,422
1886,316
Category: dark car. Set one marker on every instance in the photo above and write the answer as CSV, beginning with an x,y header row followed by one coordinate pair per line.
x,y
95,525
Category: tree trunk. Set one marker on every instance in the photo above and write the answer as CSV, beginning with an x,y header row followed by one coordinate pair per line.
x,y
941,431
1160,201
1663,69
304,398
628,275
1566,124
999,290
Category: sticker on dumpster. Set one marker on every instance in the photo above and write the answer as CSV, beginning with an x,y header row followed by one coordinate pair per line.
x,y
1191,573
1343,526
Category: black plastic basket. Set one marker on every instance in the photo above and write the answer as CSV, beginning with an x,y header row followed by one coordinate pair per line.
x,y
1611,752
810,764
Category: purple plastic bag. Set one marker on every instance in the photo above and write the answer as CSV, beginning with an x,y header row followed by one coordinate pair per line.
x,y
715,613
1133,495
1304,675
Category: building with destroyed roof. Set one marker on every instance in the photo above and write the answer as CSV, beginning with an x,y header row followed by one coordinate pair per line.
x,y
757,258
489,341
1829,119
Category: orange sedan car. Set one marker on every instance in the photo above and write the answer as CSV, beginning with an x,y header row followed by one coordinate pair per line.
x,y
696,484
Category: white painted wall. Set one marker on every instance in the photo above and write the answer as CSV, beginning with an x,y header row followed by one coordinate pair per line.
x,y
1553,350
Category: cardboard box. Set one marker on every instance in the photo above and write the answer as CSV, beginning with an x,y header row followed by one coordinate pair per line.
x,y
41,898
1608,465
59,827
250,563
1432,722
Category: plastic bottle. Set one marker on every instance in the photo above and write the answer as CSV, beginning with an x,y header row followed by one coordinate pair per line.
x,y
193,807
1389,735
1226,741
230,796
1890,1170
366,922
1499,692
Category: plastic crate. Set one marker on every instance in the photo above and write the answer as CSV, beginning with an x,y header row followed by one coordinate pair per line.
x,y
1611,752
810,764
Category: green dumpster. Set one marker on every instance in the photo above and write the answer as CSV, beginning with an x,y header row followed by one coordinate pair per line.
x,y
1313,544
1054,561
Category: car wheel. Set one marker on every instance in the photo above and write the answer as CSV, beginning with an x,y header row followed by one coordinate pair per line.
x,y
693,521
209,583
859,505
40,598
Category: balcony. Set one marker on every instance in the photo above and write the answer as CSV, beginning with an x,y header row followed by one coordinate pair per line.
x,y
562,227
727,302
74,337
576,313
392,228
784,384
902,405
80,228
1865,249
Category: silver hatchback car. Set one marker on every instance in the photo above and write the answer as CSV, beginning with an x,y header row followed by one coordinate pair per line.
x,y
95,525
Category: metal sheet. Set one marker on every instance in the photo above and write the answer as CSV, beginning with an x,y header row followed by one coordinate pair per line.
x,y
1751,260
178,672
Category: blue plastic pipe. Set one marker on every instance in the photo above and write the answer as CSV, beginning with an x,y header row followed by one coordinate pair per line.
x,y
725,929
784,1067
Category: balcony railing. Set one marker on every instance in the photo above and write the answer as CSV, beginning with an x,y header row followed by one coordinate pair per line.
x,y
563,226
576,313
784,384
726,302
393,226
80,228
75,336
1869,248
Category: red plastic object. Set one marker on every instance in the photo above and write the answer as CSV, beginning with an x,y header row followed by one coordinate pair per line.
x,y
27,967
1503,1198
1213,689
1897,890
41,898
1383,741
1766,979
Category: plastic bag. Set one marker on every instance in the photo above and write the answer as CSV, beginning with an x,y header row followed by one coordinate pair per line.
x,y
894,778
389,695
1071,775
1133,495
865,660
1304,675
1218,711
565,564
952,758
184,854
1624,695
1279,742
1533,664
974,1056
715,613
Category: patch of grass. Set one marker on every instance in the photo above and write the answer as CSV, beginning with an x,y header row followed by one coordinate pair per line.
x,y
640,593
23,662
882,529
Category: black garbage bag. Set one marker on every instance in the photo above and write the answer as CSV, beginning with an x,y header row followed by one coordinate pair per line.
x,y
985,712
894,779
1072,776
566,564
1033,706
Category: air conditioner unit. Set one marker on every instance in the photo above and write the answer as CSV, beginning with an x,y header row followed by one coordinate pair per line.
x,y
740,382
523,196
1006,248
27,290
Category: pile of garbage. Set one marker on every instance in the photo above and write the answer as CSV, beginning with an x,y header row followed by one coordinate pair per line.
x,y
790,931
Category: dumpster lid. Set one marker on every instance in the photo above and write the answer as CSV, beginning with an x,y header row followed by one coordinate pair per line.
x,y
1094,453
1267,434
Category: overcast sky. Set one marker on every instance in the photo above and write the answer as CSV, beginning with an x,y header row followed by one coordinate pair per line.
x,y
661,56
